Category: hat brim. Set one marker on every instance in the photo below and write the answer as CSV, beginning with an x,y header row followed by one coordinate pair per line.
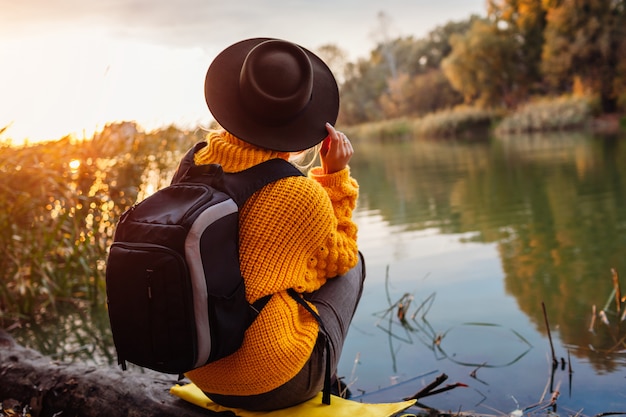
x,y
303,131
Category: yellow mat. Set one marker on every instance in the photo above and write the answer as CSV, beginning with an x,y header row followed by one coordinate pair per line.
x,y
338,407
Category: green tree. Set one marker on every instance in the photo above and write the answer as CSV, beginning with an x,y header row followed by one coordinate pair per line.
x,y
394,81
436,45
419,56
365,82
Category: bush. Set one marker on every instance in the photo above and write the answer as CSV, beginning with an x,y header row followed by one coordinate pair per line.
x,y
462,121
547,115
388,130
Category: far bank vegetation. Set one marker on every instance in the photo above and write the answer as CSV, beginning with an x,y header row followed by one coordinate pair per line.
x,y
527,66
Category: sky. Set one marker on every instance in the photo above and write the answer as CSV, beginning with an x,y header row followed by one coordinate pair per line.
x,y
72,66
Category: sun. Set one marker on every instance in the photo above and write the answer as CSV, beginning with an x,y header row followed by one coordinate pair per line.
x,y
74,165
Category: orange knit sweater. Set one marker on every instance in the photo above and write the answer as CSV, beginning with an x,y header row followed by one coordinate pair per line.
x,y
294,233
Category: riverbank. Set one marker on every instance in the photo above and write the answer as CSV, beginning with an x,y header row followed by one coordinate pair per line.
x,y
565,113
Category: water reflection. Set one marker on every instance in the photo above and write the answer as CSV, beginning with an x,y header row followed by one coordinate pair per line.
x,y
404,321
554,207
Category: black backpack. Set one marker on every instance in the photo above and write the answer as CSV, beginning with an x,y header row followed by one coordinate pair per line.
x,y
175,293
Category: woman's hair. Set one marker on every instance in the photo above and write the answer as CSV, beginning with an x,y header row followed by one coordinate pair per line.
x,y
304,160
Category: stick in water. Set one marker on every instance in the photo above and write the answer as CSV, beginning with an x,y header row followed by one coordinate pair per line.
x,y
545,316
618,291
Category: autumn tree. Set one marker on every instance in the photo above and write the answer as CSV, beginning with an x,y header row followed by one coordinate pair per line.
x,y
525,20
402,77
418,95
585,41
483,65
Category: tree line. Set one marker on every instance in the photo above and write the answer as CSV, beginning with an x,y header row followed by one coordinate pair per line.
x,y
520,50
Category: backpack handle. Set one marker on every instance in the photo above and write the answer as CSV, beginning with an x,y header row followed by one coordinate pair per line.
x,y
187,168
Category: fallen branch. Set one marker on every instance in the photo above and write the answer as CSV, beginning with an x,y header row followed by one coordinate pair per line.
x,y
52,388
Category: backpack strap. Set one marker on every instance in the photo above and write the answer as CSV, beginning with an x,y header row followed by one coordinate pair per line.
x,y
241,185
327,376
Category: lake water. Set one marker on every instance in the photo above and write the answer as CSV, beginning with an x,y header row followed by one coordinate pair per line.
x,y
472,239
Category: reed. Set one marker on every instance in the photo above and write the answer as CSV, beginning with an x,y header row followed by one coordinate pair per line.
x,y
59,202
548,114
459,122
381,131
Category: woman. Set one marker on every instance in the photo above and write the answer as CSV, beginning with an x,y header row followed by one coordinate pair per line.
x,y
275,99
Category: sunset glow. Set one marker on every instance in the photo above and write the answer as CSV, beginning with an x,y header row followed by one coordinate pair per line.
x,y
69,85
71,68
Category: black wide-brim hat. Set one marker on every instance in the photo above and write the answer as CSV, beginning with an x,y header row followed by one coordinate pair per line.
x,y
272,93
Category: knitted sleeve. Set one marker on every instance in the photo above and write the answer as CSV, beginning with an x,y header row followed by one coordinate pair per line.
x,y
301,231
339,252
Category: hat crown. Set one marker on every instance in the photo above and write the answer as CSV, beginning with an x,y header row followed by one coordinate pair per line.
x,y
276,81
272,93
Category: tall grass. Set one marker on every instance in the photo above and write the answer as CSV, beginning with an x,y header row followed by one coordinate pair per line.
x,y
459,122
383,131
548,114
59,203
542,115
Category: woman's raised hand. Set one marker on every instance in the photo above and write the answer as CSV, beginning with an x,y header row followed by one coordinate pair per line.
x,y
336,151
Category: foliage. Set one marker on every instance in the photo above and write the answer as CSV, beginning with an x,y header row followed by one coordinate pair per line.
x,y
370,91
547,115
483,66
419,56
59,202
360,91
418,95
584,40
521,49
524,20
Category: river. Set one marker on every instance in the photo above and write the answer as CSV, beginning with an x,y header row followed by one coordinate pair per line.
x,y
475,239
